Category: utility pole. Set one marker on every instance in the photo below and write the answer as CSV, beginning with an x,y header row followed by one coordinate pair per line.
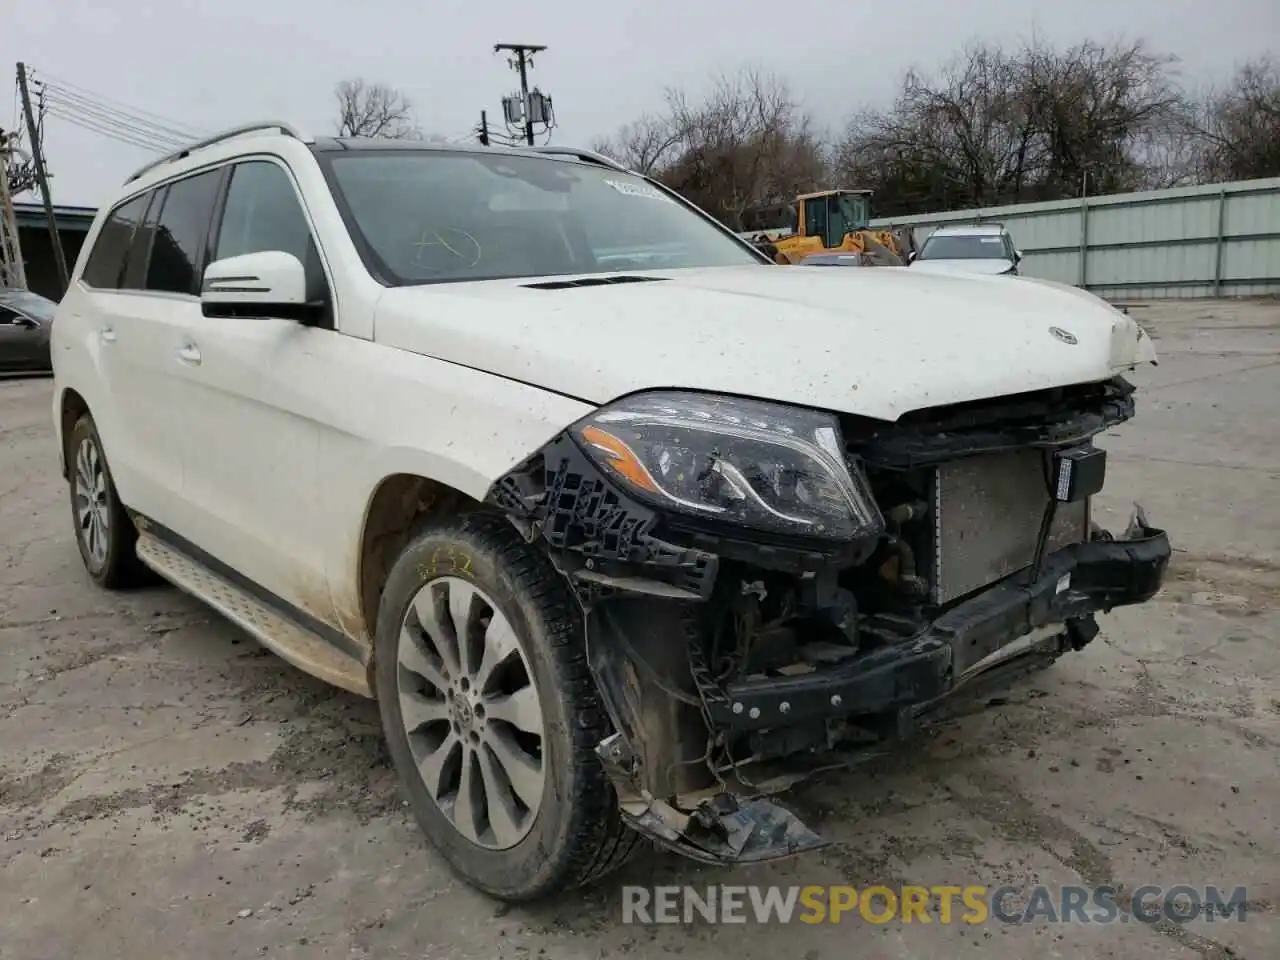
x,y
42,176
13,272
522,59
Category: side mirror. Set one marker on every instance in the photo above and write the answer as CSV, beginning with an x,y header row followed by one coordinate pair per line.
x,y
911,255
267,284
1017,256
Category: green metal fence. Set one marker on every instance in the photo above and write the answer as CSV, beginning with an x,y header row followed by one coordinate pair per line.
x,y
1208,241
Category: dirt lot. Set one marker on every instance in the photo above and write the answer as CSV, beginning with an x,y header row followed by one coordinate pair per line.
x,y
168,789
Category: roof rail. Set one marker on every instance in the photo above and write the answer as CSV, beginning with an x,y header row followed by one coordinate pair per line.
x,y
287,129
590,156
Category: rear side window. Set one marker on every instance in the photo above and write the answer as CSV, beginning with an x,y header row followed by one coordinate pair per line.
x,y
178,246
135,267
106,260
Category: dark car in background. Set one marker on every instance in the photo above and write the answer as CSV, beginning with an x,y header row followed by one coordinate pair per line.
x,y
25,321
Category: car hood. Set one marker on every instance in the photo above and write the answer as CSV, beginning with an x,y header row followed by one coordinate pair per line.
x,y
878,342
989,267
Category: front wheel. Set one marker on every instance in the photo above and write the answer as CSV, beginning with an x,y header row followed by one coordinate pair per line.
x,y
490,713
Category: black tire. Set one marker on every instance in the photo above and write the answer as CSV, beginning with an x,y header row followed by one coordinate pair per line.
x,y
577,835
118,566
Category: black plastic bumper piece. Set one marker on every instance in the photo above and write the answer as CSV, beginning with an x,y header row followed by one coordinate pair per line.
x,y
1074,583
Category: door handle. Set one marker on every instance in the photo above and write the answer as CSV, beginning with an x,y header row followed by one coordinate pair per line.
x,y
109,334
189,353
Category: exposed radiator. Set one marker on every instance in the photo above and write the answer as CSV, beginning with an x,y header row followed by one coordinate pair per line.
x,y
987,512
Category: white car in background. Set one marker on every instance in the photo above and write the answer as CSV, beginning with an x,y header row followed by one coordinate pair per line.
x,y
983,248
621,525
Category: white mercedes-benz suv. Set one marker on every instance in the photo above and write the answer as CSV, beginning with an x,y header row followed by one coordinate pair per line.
x,y
625,528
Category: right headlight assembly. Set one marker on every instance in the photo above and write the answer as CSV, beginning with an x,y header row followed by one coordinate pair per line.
x,y
760,465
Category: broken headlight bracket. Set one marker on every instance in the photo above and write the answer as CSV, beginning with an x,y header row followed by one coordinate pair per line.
x,y
1076,474
649,494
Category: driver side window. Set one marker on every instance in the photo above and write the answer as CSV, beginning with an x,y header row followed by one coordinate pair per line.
x,y
262,212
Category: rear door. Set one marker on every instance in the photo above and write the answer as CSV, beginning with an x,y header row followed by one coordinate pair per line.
x,y
154,310
147,473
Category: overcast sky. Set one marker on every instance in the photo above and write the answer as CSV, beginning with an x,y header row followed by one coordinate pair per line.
x,y
213,64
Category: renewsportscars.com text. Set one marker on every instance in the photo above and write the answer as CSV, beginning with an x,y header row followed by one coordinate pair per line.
x,y
973,904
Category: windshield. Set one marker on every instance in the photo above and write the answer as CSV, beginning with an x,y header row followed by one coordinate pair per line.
x,y
437,217
854,210
973,247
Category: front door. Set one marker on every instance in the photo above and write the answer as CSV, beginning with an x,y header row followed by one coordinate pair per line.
x,y
253,477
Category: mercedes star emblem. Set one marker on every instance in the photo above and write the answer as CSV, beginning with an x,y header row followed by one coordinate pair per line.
x,y
1064,335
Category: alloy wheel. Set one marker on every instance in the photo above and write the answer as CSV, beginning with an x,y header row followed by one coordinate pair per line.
x,y
471,712
93,514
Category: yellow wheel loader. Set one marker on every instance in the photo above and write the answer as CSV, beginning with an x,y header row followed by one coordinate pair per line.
x,y
828,221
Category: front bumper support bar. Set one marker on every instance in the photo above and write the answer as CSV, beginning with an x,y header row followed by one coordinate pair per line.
x,y
915,681
1074,583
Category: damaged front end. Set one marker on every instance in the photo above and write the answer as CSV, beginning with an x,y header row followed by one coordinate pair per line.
x,y
772,591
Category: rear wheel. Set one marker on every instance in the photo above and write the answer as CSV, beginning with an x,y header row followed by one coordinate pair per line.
x,y
490,713
105,533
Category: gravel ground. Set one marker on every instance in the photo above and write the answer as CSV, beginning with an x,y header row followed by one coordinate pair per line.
x,y
167,788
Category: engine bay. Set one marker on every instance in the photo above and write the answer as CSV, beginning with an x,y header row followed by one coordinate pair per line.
x,y
734,660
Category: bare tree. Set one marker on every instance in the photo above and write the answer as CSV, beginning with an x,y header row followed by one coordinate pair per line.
x,y
1095,105
747,143
967,137
1237,128
374,110
992,126
997,127
1167,152
646,145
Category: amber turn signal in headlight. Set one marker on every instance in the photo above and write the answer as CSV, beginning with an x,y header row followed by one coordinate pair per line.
x,y
761,465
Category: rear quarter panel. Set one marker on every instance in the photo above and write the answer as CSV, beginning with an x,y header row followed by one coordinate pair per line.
x,y
75,354
74,347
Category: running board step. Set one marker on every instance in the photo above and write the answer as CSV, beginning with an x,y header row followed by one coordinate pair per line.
x,y
293,643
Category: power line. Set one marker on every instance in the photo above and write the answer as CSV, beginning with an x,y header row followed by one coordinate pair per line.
x,y
108,120
56,96
184,131
118,133
107,126
110,127
109,117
